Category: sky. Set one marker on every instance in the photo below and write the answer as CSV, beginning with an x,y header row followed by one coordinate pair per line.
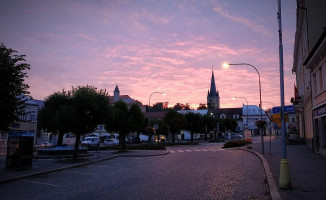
x,y
147,46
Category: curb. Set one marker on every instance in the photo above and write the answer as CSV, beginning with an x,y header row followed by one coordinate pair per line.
x,y
76,165
273,189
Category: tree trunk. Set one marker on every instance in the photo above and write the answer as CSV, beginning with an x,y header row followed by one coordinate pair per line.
x,y
60,139
149,136
138,138
76,146
192,137
123,141
173,138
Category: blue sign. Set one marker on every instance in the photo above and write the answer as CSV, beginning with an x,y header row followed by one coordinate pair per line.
x,y
276,110
287,109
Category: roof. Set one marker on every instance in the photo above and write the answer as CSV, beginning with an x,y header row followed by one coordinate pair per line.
x,y
159,114
126,99
227,111
213,93
202,112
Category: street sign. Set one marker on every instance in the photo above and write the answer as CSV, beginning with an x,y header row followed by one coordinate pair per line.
x,y
276,118
287,109
276,110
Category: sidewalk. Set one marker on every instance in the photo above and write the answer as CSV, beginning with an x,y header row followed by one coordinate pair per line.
x,y
307,169
42,166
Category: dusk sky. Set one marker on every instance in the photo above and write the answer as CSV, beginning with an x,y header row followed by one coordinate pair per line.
x,y
146,46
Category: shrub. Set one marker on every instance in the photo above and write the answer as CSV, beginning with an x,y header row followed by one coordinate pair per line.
x,y
235,143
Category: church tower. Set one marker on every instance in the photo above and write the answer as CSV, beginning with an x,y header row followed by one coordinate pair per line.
x,y
213,98
116,96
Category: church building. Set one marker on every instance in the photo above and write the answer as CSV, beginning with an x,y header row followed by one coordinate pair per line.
x,y
213,98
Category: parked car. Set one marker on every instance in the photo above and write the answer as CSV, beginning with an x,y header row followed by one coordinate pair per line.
x,y
90,142
111,142
236,136
44,145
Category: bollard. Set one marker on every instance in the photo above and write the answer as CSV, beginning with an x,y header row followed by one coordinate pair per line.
x,y
284,180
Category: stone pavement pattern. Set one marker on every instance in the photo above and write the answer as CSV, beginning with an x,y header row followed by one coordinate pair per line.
x,y
307,169
229,174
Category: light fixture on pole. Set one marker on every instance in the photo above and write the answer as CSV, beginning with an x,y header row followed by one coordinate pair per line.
x,y
227,65
247,109
149,107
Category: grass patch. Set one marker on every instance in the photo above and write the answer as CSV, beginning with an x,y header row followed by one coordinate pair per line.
x,y
235,143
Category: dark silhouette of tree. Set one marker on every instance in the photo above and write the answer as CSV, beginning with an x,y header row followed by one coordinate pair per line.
x,y
120,122
137,119
175,121
55,115
202,106
209,123
13,89
194,123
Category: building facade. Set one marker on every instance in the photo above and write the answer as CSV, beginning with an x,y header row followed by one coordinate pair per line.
x,y
126,98
309,68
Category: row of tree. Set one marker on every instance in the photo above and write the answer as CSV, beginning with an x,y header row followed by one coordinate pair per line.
x,y
162,106
82,109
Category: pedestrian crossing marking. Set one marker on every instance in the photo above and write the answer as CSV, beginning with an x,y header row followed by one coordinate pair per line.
x,y
194,150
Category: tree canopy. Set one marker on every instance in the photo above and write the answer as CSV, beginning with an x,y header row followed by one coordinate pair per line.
x,y
79,110
12,86
175,121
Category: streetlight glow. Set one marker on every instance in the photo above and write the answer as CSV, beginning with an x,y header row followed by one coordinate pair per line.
x,y
226,65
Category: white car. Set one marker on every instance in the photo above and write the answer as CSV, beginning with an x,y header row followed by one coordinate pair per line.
x,y
90,141
111,142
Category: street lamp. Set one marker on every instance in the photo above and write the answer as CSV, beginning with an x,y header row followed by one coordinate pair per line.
x,y
227,65
149,107
247,108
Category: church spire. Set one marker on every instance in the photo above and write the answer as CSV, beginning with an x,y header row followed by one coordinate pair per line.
x,y
213,92
213,99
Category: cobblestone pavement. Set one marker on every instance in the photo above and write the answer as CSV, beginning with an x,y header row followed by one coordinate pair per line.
x,y
210,174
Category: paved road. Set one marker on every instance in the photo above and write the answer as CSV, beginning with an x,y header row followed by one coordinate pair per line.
x,y
188,172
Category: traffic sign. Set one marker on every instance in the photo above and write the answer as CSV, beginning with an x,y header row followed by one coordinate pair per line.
x,y
287,109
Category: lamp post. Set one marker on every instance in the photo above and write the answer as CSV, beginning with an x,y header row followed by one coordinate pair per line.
x,y
247,108
149,108
284,179
226,65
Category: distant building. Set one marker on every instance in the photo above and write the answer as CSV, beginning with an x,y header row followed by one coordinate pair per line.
x,y
26,125
246,118
213,98
126,98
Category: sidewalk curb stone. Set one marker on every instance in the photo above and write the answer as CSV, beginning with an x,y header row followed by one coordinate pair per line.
x,y
274,192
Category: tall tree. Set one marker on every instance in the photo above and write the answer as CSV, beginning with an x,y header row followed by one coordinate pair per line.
x,y
55,115
194,123
209,122
175,121
90,107
12,86
120,122
137,119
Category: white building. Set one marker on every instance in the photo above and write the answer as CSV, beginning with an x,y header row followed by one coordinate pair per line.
x,y
251,114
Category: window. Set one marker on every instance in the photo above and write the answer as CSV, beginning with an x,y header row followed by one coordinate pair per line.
x,y
314,84
320,79
236,116
222,116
